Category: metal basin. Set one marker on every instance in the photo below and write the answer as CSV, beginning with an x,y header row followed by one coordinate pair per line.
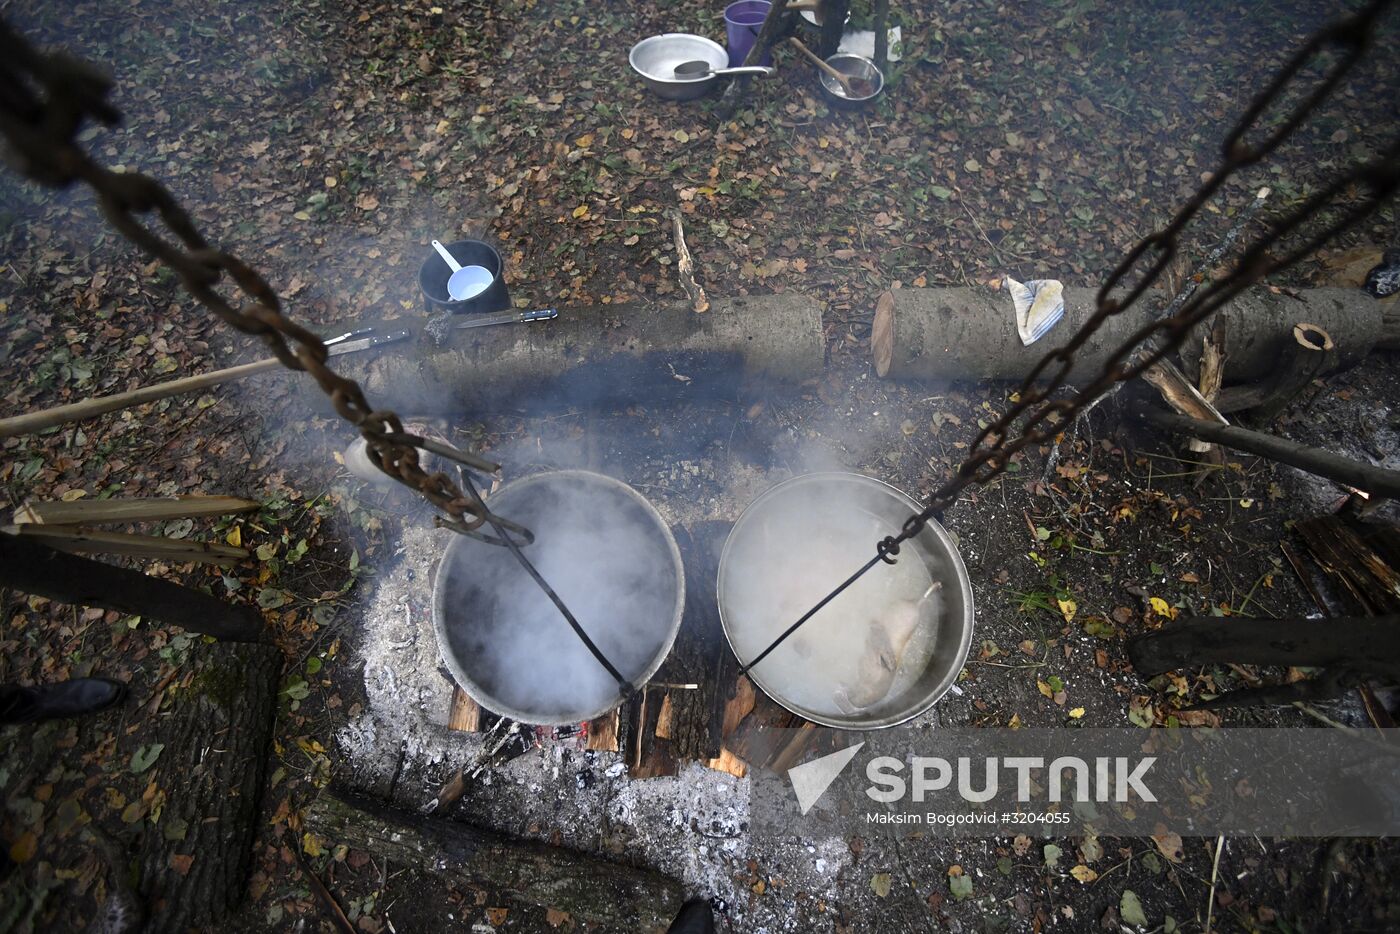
x,y
613,561
856,66
797,541
655,59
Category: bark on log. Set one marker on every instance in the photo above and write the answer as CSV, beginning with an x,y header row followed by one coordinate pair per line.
x,y
217,735
1363,643
605,352
591,890
32,567
1313,460
964,333
1308,355
1390,326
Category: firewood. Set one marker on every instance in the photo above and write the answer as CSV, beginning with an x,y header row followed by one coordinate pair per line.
x,y
1308,355
465,713
82,540
1313,460
602,733
685,268
635,351
969,333
130,509
595,893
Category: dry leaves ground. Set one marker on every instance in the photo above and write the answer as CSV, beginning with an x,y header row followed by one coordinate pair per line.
x,y
327,142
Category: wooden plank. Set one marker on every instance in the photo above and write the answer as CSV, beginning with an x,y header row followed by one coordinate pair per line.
x,y
130,509
465,713
740,705
663,718
82,540
602,733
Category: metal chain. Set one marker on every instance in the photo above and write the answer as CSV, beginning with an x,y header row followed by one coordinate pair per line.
x,y
44,101
1368,185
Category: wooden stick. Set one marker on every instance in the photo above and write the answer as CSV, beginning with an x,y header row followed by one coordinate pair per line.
x,y
33,567
79,539
1211,375
1313,460
130,509
31,422
845,80
685,266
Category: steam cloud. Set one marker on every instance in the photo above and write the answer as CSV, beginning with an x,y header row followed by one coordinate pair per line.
x,y
605,557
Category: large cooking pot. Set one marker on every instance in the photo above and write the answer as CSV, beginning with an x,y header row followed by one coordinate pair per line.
x,y
612,559
656,57
878,655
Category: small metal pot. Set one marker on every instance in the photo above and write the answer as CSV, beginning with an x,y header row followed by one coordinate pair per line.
x,y
750,562
856,66
655,60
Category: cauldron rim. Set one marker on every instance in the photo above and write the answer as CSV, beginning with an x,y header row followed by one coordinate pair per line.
x,y
933,533
571,476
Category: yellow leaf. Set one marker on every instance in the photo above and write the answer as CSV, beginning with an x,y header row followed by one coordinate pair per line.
x,y
1068,608
584,141
1076,713
73,495
331,181
682,136
581,211
627,133
234,537
1015,722
23,849
1084,874
1045,688
1161,607
311,844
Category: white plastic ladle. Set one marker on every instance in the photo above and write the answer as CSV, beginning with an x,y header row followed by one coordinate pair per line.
x,y
466,281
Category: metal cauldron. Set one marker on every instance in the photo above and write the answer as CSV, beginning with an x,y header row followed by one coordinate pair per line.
x,y
611,558
797,541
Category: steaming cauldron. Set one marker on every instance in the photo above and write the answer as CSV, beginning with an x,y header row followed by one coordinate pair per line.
x,y
881,653
612,559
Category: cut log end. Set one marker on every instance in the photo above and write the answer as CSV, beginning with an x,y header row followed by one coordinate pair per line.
x,y
882,335
1312,337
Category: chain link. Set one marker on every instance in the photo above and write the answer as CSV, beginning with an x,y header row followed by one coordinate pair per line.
x,y
44,101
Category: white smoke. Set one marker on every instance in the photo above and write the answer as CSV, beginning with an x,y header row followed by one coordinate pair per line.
x,y
607,559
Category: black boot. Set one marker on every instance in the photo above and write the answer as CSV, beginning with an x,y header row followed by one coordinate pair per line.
x,y
73,698
695,918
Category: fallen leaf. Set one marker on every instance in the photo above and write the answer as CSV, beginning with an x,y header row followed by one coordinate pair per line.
x,y
1169,844
880,884
1068,608
1130,909
181,863
1084,874
23,849
1076,713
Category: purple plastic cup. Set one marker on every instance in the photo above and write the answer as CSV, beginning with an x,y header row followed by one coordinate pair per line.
x,y
742,20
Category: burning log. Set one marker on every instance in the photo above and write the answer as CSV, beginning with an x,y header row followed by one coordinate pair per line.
x,y
964,333
591,891
605,352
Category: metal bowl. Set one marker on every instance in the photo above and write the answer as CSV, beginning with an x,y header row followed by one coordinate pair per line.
x,y
856,66
656,58
613,561
760,553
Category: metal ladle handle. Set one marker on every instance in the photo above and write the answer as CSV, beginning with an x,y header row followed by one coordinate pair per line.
x,y
447,257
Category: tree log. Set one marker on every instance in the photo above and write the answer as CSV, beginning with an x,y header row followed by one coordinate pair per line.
x,y
35,568
591,890
1313,460
217,734
1307,356
605,352
1360,643
966,333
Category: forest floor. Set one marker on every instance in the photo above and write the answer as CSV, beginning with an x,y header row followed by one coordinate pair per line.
x,y
327,143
